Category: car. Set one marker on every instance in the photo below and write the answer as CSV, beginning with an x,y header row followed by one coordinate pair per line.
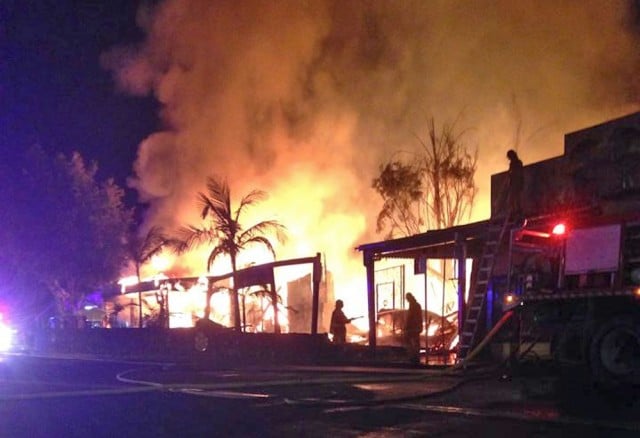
x,y
441,332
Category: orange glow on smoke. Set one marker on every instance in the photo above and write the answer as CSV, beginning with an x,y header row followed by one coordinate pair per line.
x,y
289,125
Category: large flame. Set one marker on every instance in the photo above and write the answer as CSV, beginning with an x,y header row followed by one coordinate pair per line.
x,y
305,99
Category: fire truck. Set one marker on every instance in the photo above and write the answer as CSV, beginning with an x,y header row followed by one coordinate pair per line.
x,y
567,273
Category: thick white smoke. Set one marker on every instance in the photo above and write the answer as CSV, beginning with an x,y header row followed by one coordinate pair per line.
x,y
304,99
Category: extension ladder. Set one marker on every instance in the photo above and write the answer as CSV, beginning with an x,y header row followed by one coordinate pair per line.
x,y
478,289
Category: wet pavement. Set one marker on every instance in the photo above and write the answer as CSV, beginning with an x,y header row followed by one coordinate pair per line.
x,y
73,397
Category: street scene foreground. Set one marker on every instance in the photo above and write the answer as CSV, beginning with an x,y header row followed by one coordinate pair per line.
x,y
72,396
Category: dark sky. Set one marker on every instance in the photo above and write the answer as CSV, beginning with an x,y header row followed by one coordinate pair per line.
x,y
53,90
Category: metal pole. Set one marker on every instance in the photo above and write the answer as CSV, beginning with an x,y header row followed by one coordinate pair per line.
x,y
139,309
444,283
274,299
426,315
315,300
369,265
167,304
461,255
244,312
509,260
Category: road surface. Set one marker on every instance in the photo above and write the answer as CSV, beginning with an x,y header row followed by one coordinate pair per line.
x,y
78,397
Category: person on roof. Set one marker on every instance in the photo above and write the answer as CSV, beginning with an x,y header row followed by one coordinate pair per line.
x,y
515,185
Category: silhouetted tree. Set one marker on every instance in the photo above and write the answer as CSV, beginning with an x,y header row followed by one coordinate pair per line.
x,y
432,189
141,248
225,232
61,229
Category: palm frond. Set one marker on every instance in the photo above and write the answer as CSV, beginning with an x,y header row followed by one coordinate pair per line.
x,y
216,252
218,192
254,197
152,244
259,240
261,227
223,230
206,203
264,227
190,236
141,248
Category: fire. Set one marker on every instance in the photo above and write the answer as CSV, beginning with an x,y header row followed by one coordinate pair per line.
x,y
312,127
128,281
220,309
160,262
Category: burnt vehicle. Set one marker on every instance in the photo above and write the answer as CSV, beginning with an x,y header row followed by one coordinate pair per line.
x,y
439,335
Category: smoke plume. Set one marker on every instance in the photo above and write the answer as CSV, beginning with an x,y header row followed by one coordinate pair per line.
x,y
304,99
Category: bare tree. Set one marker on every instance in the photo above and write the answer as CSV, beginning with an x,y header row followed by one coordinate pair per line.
x,y
449,170
434,188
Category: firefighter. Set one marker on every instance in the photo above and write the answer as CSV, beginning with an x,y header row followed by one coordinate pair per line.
x,y
412,329
339,321
516,184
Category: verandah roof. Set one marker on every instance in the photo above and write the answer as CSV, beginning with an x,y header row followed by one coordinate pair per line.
x,y
432,244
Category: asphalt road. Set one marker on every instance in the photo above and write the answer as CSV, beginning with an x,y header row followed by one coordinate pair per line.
x,y
69,397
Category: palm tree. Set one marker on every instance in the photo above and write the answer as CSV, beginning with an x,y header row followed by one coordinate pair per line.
x,y
140,249
225,232
274,299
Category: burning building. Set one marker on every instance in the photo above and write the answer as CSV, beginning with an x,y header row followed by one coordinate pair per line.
x,y
268,301
306,99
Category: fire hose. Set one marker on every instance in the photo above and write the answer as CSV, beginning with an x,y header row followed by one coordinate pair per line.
x,y
485,341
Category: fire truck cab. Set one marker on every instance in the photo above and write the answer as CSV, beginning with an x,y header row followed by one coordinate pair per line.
x,y
574,282
571,269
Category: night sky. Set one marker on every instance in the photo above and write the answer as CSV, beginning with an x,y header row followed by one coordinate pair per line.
x,y
305,99
53,90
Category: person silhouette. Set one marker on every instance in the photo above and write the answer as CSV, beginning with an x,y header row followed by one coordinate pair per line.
x,y
412,329
515,186
338,326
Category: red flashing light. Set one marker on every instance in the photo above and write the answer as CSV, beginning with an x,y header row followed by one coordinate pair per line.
x,y
559,229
